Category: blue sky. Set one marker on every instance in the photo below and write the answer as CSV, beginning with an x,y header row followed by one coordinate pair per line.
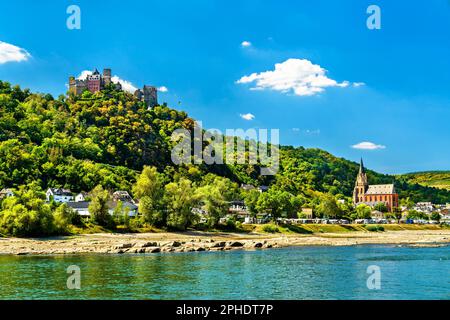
x,y
389,87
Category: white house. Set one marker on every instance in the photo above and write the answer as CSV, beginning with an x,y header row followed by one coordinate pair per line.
x,y
6,193
81,207
81,197
59,195
123,196
129,207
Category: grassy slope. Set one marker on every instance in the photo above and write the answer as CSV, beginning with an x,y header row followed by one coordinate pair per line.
x,y
326,228
435,179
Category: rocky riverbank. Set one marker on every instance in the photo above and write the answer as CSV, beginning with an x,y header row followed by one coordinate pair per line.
x,y
150,243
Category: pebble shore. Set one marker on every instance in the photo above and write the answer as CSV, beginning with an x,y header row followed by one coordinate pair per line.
x,y
150,243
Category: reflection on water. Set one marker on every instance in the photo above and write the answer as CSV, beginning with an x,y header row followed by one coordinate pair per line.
x,y
289,273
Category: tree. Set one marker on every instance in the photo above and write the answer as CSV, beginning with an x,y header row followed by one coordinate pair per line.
x,y
180,199
121,214
435,216
416,215
279,203
65,216
363,211
328,207
214,202
98,208
150,191
381,206
27,214
251,201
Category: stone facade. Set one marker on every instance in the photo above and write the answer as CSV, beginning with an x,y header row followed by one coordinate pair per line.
x,y
148,94
93,82
96,82
373,194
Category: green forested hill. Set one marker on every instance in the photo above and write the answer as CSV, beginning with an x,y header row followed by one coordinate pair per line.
x,y
435,179
106,138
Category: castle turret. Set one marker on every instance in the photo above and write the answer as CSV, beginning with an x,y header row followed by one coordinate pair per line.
x,y
106,77
150,96
72,85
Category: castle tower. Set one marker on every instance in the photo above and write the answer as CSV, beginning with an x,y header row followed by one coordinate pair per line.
x,y
106,76
361,184
72,85
94,81
150,96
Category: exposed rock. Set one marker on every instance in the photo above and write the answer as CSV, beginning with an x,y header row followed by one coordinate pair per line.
x,y
236,244
176,244
220,244
152,249
124,246
149,244
200,249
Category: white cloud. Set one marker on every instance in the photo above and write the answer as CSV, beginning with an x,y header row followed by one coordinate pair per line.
x,y
163,89
299,76
126,85
246,44
358,84
368,146
84,74
247,116
12,53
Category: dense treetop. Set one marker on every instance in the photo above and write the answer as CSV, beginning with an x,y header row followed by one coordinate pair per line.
x,y
108,137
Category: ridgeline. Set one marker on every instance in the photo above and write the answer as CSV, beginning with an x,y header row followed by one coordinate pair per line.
x,y
106,138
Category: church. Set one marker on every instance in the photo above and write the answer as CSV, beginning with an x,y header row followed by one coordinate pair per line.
x,y
371,195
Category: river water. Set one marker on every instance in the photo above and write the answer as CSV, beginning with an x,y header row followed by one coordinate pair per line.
x,y
287,273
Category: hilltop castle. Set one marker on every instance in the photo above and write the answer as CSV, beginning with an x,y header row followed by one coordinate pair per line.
x,y
95,82
371,195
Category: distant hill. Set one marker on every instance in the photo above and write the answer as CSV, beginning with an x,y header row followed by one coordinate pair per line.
x,y
78,142
435,179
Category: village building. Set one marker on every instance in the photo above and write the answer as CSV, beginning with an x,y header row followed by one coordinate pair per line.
x,y
237,207
59,195
81,207
372,195
247,187
307,213
127,207
82,196
6,193
123,196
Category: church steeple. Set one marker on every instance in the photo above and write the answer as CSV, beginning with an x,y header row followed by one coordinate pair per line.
x,y
361,167
361,184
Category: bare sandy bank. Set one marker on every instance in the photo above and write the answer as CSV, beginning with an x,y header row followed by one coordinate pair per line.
x,y
206,241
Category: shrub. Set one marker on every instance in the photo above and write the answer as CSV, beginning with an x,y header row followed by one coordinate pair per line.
x,y
270,228
375,228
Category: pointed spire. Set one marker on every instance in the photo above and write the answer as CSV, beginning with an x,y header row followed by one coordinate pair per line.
x,y
361,167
